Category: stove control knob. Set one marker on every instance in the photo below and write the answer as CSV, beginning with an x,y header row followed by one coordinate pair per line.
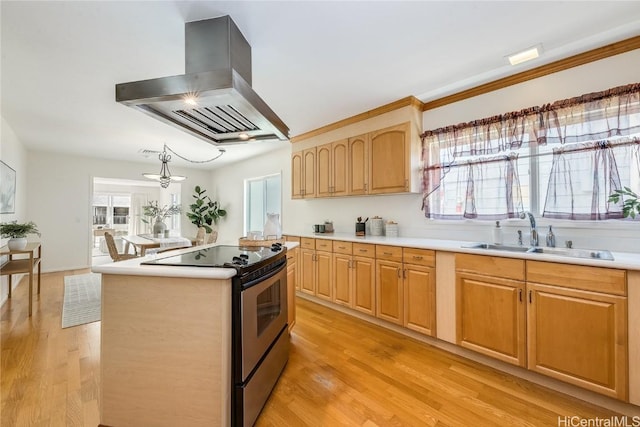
x,y
276,247
244,256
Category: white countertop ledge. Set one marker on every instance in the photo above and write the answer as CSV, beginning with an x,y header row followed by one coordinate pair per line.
x,y
132,267
621,260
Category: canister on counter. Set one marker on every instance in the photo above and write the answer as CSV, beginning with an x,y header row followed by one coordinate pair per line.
x,y
376,226
391,229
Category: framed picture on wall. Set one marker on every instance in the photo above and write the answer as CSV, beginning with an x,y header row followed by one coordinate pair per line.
x,y
7,189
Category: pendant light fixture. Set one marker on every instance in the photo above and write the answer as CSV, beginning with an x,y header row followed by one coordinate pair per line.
x,y
165,176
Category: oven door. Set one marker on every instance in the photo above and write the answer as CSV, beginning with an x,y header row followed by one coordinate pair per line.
x,y
264,314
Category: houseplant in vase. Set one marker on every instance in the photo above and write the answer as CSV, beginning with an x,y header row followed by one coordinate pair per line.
x,y
204,211
630,204
17,233
152,209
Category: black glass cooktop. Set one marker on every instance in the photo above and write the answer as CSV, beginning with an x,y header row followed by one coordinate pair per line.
x,y
238,257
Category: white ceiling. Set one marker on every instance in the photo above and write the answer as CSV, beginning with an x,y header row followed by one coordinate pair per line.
x,y
314,63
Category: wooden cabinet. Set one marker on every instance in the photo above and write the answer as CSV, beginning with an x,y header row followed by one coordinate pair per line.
x,y
490,309
389,160
315,276
307,271
292,285
376,162
578,335
324,283
358,172
303,174
565,321
389,284
419,290
332,168
354,276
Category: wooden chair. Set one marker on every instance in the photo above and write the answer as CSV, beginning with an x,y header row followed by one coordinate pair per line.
x,y
113,250
200,236
212,237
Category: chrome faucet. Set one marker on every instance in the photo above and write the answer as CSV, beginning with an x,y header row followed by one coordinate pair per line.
x,y
534,233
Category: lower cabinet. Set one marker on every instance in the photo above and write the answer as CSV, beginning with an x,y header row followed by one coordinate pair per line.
x,y
389,291
556,327
354,276
307,271
579,336
419,277
292,282
323,275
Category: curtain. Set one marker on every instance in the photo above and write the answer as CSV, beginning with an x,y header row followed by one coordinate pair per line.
x,y
585,135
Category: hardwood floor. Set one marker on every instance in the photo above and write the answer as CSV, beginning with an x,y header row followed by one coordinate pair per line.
x,y
342,371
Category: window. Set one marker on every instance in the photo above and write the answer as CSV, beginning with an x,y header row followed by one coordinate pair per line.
x,y
561,160
262,195
111,209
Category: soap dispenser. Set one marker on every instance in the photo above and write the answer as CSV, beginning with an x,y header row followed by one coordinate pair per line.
x,y
551,238
497,234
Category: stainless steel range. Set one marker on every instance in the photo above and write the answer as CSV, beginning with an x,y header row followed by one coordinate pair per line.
x,y
260,337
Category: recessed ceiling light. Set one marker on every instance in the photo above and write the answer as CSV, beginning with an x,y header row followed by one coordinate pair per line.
x,y
525,55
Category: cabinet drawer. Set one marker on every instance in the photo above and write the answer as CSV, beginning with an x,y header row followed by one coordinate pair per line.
x,y
324,245
342,247
389,253
364,249
292,256
491,266
596,279
307,243
419,256
292,239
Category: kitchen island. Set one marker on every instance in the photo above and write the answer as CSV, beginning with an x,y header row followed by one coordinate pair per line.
x,y
165,350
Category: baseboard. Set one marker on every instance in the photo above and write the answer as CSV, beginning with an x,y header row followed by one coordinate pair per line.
x,y
551,383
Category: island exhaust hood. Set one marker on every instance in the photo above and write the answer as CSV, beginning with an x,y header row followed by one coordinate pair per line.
x,y
213,100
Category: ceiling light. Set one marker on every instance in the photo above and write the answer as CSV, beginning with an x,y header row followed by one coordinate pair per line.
x,y
525,55
243,136
165,176
191,100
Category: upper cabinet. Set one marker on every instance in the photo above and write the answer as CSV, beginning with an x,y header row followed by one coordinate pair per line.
x,y
303,174
389,159
376,154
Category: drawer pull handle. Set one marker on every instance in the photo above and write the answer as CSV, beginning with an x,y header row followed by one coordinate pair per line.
x,y
387,253
363,250
417,257
342,247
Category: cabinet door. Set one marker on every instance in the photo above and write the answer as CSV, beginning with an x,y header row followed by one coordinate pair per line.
x,y
291,294
358,165
309,172
491,316
324,173
340,167
364,284
307,271
579,337
324,284
342,279
389,294
389,160
296,175
420,299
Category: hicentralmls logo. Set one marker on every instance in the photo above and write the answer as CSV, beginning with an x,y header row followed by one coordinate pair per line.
x,y
618,421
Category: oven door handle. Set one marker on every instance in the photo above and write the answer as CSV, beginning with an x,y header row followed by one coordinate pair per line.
x,y
265,277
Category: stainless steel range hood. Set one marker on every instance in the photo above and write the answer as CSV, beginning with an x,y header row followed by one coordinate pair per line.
x,y
214,99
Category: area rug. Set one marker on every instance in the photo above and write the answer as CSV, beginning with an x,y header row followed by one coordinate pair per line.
x,y
81,299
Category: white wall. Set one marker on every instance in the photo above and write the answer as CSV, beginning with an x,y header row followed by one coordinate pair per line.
x,y
59,201
14,154
299,215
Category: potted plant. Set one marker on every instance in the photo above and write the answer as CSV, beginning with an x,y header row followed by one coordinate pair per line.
x,y
631,202
17,233
204,211
152,209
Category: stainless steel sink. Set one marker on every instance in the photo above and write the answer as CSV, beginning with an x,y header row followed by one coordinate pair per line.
x,y
568,252
497,247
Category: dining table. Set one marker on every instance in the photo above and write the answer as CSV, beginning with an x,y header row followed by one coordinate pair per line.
x,y
142,242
